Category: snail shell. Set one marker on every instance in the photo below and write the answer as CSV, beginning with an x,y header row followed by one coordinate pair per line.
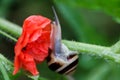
x,y
63,64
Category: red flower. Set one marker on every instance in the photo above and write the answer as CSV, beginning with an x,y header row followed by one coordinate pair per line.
x,y
32,45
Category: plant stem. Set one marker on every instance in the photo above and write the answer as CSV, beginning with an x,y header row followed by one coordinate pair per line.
x,y
116,47
4,72
8,36
10,28
93,50
3,66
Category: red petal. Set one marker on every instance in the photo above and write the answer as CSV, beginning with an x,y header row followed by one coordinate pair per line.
x,y
33,43
39,48
28,63
16,65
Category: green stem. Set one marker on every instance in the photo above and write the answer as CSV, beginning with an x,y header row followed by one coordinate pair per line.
x,y
4,72
84,47
116,47
8,36
93,50
10,28
2,67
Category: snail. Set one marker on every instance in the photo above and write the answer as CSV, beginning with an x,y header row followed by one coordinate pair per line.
x,y
60,59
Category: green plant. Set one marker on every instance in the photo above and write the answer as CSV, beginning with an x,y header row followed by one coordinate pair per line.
x,y
83,33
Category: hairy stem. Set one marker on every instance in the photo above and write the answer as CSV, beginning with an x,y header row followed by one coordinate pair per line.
x,y
116,47
10,28
3,33
3,71
5,67
93,50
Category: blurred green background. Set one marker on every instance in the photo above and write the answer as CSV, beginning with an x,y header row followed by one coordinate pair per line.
x,y
89,21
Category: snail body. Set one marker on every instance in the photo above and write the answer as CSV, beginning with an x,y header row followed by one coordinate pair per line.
x,y
60,59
